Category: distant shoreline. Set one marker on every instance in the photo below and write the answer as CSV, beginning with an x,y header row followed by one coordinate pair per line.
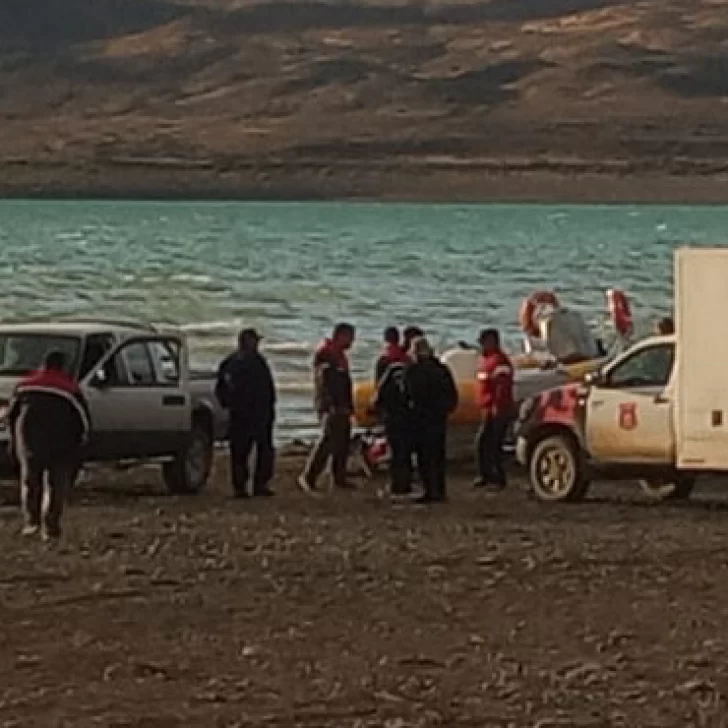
x,y
346,182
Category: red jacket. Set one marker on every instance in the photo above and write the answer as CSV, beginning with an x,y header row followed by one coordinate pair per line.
x,y
332,380
392,354
495,384
48,416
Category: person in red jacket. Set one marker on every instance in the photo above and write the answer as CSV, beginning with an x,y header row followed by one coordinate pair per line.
x,y
495,399
334,399
392,353
49,423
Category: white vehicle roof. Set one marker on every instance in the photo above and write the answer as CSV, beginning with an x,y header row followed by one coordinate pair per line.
x,y
76,328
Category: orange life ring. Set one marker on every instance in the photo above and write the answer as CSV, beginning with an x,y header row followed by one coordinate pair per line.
x,y
531,306
620,311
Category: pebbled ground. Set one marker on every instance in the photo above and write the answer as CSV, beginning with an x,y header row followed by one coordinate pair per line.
x,y
346,611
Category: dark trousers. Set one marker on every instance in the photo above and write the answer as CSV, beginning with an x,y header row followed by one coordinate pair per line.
x,y
489,449
430,443
243,437
399,437
333,444
38,472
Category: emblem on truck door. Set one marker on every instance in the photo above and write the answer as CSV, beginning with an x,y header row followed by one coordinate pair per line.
x,y
628,415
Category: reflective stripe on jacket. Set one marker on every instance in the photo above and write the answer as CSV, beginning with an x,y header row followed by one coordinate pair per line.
x,y
495,383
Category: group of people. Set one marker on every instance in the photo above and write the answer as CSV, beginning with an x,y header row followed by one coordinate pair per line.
x,y
415,396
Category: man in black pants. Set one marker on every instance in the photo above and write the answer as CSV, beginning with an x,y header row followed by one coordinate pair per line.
x,y
495,398
334,400
393,407
245,387
433,397
49,422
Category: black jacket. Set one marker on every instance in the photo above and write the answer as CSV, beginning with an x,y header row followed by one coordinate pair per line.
x,y
432,391
245,387
48,417
393,402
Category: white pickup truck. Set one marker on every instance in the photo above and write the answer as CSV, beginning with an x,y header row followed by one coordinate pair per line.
x,y
658,413
145,403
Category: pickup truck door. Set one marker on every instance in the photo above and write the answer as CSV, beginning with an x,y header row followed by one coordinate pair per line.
x,y
629,411
138,399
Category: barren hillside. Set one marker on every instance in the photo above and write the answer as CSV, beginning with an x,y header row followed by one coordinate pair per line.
x,y
389,99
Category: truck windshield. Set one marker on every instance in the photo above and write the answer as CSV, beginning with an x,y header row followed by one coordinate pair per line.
x,y
24,353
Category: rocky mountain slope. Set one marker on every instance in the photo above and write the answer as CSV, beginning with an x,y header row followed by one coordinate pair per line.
x,y
385,99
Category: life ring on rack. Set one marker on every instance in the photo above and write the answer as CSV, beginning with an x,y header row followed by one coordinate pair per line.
x,y
531,306
620,311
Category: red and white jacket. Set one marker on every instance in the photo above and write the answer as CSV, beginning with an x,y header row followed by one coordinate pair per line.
x,y
495,384
48,414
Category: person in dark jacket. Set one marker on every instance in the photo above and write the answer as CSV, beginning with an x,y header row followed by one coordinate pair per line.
x,y
392,403
334,400
409,334
495,398
245,387
433,397
665,326
392,353
49,423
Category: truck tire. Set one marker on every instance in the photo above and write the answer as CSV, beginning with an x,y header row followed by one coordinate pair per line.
x,y
556,470
188,473
678,488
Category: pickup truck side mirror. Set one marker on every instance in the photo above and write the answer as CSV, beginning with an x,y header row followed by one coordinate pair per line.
x,y
593,379
99,379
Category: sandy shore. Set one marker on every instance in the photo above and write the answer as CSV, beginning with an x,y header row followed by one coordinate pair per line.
x,y
348,611
587,182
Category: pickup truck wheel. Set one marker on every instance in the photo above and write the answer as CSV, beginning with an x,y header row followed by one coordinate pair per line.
x,y
556,471
679,488
188,473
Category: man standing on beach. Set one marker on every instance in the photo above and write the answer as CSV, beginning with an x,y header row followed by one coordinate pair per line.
x,y
393,406
391,354
334,398
495,397
245,387
433,397
49,422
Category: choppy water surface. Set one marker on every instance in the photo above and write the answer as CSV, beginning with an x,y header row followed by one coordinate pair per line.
x,y
293,269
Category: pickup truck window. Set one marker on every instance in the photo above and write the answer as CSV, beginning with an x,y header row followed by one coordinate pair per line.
x,y
166,362
650,367
139,363
96,346
24,353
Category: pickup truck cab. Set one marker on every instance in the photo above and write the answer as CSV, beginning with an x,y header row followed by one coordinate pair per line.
x,y
144,402
658,413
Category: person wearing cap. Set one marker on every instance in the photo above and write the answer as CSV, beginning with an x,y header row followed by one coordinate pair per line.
x,y
48,420
246,389
495,398
334,401
433,397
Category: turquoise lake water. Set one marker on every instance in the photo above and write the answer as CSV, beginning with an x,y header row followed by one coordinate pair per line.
x,y
292,270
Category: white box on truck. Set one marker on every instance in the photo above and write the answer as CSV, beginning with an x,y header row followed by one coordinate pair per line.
x,y
701,397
